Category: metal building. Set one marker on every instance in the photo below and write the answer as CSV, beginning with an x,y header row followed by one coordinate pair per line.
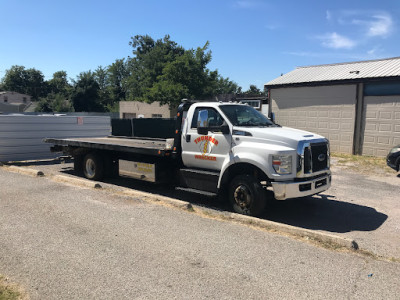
x,y
355,105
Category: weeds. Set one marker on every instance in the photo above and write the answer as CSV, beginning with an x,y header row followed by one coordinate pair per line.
x,y
9,291
363,164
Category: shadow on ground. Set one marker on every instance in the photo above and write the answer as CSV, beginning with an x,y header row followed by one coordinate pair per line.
x,y
319,212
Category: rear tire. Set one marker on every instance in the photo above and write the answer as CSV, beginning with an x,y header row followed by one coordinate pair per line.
x,y
247,196
93,166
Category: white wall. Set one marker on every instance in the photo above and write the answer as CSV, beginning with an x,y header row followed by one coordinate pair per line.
x,y
21,136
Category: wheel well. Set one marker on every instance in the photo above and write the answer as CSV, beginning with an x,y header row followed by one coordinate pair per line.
x,y
398,163
242,168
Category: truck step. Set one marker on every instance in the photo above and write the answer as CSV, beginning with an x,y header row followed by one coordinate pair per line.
x,y
190,190
199,180
202,172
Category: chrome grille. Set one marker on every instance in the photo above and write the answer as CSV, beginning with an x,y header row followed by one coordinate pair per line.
x,y
319,156
313,157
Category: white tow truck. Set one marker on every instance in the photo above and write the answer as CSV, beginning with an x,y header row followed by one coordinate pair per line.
x,y
229,149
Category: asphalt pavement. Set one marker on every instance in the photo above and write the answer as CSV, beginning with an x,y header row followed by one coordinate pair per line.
x,y
357,207
61,241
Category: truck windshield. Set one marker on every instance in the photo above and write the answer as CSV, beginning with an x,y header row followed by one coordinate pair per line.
x,y
243,115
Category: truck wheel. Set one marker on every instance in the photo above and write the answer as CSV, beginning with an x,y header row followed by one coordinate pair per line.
x,y
93,167
247,196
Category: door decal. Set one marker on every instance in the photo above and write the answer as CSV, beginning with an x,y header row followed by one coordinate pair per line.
x,y
206,145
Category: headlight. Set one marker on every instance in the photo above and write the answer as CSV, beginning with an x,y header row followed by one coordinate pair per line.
x,y
395,149
282,164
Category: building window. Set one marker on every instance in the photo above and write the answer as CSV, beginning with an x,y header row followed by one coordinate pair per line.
x,y
129,115
156,115
24,99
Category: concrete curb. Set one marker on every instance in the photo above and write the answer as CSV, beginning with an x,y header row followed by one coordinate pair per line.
x,y
26,171
76,181
325,238
334,240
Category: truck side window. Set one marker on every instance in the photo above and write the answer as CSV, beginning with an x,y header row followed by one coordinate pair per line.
x,y
214,118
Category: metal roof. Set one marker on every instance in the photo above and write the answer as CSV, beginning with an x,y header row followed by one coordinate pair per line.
x,y
381,68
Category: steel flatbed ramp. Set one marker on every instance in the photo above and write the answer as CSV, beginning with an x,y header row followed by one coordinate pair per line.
x,y
134,145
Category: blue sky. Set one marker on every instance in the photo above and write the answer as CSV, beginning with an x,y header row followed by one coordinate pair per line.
x,y
252,41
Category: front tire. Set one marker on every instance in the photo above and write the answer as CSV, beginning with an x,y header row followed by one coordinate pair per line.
x,y
93,167
247,196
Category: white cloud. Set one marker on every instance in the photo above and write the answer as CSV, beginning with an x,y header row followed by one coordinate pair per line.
x,y
373,23
337,41
328,15
381,26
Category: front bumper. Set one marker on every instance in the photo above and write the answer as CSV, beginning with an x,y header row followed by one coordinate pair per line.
x,y
295,189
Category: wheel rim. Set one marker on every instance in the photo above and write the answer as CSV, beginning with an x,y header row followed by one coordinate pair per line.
x,y
242,196
90,167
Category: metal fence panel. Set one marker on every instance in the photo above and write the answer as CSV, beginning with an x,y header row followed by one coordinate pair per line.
x,y
21,137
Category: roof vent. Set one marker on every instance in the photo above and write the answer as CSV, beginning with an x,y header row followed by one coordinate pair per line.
x,y
355,72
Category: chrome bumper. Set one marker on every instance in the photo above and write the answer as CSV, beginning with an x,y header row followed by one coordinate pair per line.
x,y
285,190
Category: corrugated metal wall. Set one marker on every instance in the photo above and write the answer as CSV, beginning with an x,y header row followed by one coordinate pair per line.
x,y
21,136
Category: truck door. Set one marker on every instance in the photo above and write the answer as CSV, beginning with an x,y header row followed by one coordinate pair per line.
x,y
206,151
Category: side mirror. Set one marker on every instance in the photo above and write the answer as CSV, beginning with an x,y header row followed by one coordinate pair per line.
x,y
202,119
202,122
202,130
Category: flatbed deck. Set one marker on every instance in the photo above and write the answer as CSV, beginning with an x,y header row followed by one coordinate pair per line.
x,y
149,146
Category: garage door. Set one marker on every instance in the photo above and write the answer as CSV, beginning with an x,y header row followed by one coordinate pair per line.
x,y
326,110
382,124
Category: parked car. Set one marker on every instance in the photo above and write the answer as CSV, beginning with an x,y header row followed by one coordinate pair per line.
x,y
393,158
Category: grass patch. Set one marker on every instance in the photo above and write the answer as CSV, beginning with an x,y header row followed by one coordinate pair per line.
x,y
9,291
362,164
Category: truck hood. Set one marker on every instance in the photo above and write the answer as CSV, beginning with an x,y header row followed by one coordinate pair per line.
x,y
283,136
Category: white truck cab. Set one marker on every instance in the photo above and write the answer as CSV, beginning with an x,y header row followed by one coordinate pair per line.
x,y
220,136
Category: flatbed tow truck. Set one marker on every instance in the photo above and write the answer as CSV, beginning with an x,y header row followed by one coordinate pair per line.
x,y
216,148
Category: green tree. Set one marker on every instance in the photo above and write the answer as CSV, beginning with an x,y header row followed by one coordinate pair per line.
x,y
25,81
59,84
86,93
150,58
101,77
164,71
54,103
226,86
117,78
254,91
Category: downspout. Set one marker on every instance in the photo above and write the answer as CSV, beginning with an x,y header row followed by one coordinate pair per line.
x,y
359,125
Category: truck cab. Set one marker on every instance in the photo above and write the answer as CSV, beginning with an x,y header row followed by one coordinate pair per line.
x,y
246,153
